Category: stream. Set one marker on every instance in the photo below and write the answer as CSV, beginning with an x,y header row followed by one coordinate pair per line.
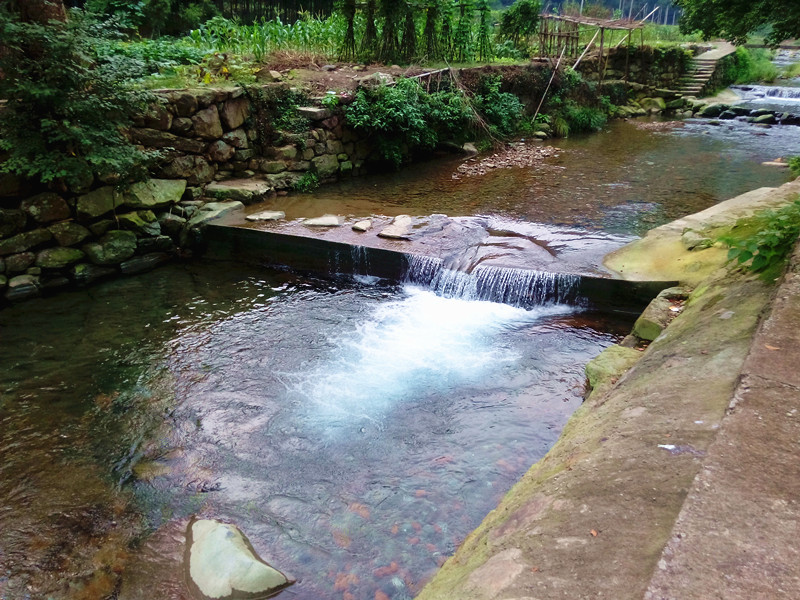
x,y
356,430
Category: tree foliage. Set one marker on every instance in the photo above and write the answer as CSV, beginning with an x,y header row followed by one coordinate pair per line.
x,y
66,106
735,20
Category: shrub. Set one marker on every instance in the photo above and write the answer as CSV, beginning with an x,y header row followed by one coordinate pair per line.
x,y
503,111
307,183
775,234
794,165
583,118
403,118
67,104
751,66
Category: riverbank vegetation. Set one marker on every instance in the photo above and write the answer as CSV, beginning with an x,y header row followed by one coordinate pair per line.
x,y
763,242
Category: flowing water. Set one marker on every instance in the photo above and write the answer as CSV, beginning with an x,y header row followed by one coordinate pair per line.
x,y
356,430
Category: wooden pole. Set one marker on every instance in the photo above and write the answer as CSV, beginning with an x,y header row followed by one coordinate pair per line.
x,y
577,62
547,89
600,65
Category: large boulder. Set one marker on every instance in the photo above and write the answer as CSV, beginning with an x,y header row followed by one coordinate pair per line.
x,y
46,207
185,104
22,287
142,222
603,371
17,263
154,193
69,233
194,169
98,202
653,105
24,241
85,273
712,111
153,138
246,191
57,258
112,248
219,151
207,124
221,564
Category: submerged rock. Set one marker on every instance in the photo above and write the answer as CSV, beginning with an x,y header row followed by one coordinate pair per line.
x,y
221,564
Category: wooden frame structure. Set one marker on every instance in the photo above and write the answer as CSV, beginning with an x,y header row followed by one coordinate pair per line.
x,y
559,36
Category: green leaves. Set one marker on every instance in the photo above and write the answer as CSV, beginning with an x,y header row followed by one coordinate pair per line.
x,y
67,104
403,117
774,238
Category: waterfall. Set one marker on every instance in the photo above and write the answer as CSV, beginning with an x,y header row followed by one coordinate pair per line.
x,y
789,93
516,287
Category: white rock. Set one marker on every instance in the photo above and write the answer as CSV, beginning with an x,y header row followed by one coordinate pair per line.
x,y
323,221
362,226
223,565
267,215
400,229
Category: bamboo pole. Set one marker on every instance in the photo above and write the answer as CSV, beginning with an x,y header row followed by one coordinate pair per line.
x,y
577,62
547,89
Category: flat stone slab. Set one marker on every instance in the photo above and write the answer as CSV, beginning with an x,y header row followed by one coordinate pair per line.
x,y
267,215
661,255
323,221
400,229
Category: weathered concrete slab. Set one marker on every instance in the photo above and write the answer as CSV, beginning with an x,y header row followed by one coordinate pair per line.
x,y
661,255
737,535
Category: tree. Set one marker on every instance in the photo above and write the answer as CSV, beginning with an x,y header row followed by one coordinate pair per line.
x,y
66,105
735,20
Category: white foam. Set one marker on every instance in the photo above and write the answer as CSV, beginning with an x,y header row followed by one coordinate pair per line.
x,y
407,348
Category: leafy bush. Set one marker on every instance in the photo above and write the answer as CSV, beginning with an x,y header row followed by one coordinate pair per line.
x,y
794,165
403,117
751,66
67,104
154,56
503,111
307,183
773,239
583,118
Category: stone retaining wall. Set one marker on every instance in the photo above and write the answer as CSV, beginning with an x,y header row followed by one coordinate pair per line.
x,y
55,240
213,134
653,67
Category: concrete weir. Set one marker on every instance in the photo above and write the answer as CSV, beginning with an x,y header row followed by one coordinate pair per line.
x,y
434,261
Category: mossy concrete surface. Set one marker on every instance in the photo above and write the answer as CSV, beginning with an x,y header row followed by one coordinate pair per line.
x,y
662,255
737,534
596,517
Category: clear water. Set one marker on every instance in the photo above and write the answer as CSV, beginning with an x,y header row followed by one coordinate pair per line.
x,y
355,431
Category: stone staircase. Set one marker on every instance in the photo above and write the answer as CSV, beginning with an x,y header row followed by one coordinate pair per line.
x,y
697,76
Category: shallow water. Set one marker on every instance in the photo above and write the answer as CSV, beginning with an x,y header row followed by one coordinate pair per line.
x,y
624,180
355,431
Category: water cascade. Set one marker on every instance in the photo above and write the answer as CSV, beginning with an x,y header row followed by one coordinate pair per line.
x,y
517,287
